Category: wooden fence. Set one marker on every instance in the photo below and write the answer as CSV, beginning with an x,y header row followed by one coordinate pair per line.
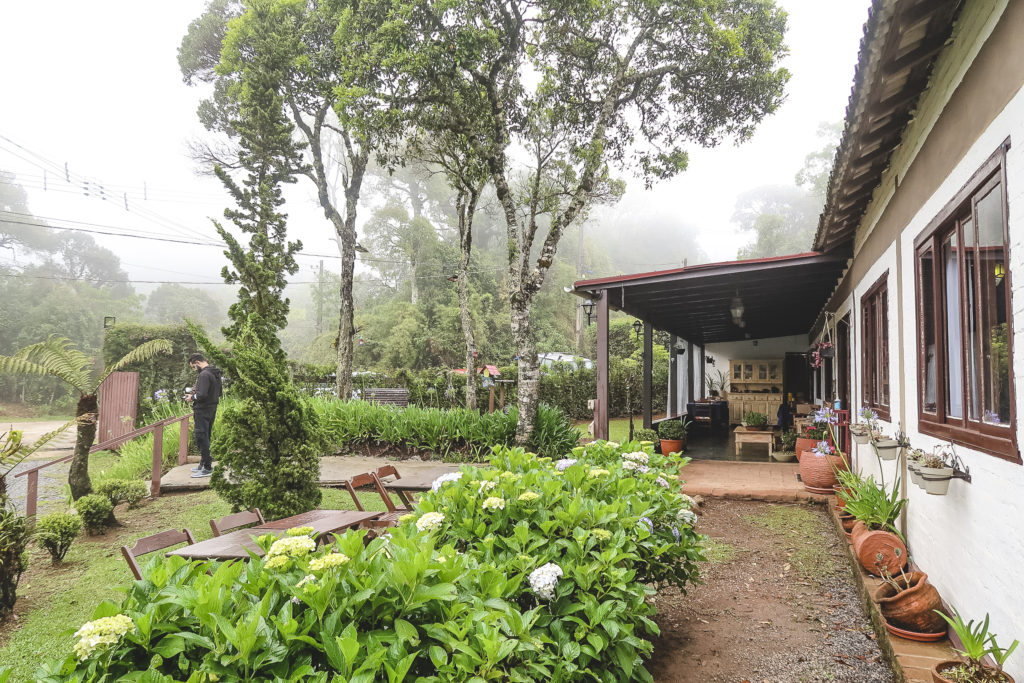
x,y
32,495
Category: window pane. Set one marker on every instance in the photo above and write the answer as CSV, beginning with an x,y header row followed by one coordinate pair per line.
x,y
995,375
951,318
883,352
973,377
926,290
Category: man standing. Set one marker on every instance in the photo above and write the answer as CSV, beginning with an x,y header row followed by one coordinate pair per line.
x,y
204,405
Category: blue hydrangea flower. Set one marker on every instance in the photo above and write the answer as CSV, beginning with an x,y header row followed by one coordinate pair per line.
x,y
648,523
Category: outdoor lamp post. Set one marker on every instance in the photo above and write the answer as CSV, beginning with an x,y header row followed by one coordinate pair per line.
x,y
588,309
637,328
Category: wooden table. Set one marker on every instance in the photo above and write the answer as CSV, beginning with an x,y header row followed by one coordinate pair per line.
x,y
236,545
744,435
418,482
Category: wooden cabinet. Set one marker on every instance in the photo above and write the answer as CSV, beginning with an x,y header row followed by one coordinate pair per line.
x,y
755,386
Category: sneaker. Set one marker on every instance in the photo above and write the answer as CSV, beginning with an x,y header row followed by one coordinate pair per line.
x,y
198,474
197,468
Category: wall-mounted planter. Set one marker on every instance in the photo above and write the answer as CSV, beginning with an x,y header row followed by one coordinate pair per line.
x,y
915,473
888,449
936,479
861,438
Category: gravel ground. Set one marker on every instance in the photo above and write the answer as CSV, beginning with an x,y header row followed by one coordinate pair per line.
x,y
52,480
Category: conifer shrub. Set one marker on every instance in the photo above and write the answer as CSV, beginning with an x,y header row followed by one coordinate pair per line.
x,y
267,442
96,511
56,532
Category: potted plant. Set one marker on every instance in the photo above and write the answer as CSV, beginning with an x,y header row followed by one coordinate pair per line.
x,y
757,422
915,457
910,606
861,431
672,434
645,435
818,467
715,385
977,643
810,438
935,473
876,540
886,448
787,450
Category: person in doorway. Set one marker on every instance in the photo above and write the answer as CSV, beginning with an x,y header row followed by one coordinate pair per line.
x,y
204,406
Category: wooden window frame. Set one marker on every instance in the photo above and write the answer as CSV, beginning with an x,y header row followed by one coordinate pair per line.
x,y
875,346
992,439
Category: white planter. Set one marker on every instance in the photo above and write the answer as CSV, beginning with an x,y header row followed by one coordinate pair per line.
x,y
783,456
860,438
888,449
936,479
915,474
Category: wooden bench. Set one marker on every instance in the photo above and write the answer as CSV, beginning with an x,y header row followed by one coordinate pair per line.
x,y
394,397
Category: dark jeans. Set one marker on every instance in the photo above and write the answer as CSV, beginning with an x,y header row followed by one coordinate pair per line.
x,y
201,433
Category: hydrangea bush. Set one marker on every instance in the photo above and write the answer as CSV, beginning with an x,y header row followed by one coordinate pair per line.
x,y
517,572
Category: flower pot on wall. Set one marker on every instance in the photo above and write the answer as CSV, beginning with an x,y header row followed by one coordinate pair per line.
x,y
915,473
913,608
878,549
935,480
888,449
937,670
861,438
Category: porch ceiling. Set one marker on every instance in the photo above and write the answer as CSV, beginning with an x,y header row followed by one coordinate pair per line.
x,y
781,296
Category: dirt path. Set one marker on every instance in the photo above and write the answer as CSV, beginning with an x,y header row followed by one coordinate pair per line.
x,y
51,479
778,605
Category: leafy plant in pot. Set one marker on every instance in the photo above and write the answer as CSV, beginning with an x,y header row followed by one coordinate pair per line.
x,y
915,457
861,432
886,448
757,422
876,540
977,644
849,483
673,435
788,444
935,473
910,606
819,465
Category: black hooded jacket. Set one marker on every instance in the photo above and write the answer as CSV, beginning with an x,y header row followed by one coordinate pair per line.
x,y
208,389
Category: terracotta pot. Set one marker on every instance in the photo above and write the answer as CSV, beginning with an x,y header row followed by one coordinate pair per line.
x,y
937,676
848,521
868,545
802,445
914,635
817,473
840,503
671,446
912,609
758,428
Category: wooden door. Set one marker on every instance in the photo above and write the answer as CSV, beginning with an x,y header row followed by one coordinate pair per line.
x,y
119,405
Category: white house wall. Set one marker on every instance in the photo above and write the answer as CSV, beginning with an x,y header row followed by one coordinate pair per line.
x,y
970,542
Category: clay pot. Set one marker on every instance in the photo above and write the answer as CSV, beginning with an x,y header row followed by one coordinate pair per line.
x,y
847,521
817,471
912,609
937,676
868,545
669,446
840,503
802,445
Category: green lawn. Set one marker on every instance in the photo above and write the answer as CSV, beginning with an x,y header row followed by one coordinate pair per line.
x,y
54,601
618,428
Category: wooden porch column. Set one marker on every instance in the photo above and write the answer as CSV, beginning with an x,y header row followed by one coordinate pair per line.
x,y
648,370
601,414
689,374
673,378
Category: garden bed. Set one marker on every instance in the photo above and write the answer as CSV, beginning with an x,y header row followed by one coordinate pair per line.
x,y
778,603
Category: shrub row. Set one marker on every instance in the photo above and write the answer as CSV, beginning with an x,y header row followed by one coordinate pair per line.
x,y
528,570
455,433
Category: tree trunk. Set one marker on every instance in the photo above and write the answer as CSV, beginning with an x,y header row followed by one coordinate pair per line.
x,y
529,370
415,295
347,242
466,208
86,415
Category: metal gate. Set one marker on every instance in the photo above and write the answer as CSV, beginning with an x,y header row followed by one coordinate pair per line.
x,y
119,405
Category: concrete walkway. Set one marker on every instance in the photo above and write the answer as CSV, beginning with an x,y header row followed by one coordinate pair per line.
x,y
774,482
333,470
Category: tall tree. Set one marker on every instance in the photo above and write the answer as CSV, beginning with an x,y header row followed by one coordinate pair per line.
x,y
300,32
270,158
18,231
171,303
57,357
552,93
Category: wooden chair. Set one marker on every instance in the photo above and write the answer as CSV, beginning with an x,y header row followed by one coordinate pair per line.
x,y
149,544
236,520
390,471
389,518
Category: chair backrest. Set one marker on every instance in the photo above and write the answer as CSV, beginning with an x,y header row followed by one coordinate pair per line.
x,y
149,544
357,482
388,470
236,520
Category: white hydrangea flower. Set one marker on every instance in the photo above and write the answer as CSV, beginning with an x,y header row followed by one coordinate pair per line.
x,y
564,464
660,481
430,521
687,517
101,633
528,496
309,578
300,531
598,472
483,486
544,580
688,501
494,503
613,444
328,561
292,546
444,479
636,456
276,562
635,466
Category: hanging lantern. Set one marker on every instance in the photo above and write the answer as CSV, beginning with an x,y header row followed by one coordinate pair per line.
x,y
637,327
588,309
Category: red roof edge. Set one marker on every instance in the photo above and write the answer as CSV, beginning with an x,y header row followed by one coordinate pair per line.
x,y
583,284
